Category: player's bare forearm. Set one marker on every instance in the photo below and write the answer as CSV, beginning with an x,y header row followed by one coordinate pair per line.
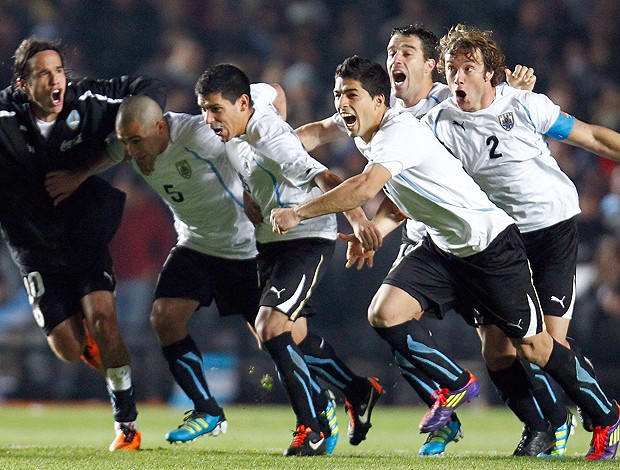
x,y
388,217
596,139
60,184
314,134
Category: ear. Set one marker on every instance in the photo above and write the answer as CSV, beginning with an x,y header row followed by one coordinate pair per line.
x,y
244,102
379,101
21,84
488,75
429,65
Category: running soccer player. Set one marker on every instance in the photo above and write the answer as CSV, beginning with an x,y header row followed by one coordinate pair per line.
x,y
473,253
501,140
60,243
277,172
411,59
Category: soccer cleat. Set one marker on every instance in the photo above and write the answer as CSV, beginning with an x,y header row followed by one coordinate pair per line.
x,y
196,425
447,402
306,442
437,441
91,355
328,421
359,414
604,443
534,443
127,437
561,437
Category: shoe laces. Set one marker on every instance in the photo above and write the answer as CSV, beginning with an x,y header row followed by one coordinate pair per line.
x,y
129,432
189,415
299,435
599,439
440,396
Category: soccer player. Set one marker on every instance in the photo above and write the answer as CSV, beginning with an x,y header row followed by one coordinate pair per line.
x,y
60,243
183,160
501,140
186,163
411,59
277,172
473,253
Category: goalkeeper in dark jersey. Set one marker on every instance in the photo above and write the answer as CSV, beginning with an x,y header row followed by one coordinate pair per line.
x,y
59,240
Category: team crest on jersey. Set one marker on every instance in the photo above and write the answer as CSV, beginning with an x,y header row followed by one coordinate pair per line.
x,y
73,120
184,169
506,120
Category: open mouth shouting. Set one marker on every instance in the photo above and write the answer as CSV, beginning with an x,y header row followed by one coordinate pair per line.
x,y
398,77
349,120
56,97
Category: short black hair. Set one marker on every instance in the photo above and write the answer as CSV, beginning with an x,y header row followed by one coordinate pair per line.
x,y
28,48
226,79
429,40
371,75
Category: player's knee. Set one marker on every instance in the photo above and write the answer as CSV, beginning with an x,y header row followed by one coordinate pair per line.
x,y
102,323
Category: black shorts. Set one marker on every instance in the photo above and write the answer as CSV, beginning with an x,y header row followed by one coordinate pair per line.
x,y
552,252
55,296
496,282
233,284
289,272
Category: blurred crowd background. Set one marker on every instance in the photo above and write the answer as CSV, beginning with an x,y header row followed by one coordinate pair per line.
x,y
298,43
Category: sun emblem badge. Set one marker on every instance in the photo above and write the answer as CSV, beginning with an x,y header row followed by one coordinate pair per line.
x,y
506,120
73,120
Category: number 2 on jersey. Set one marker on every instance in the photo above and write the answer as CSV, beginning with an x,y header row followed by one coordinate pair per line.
x,y
493,141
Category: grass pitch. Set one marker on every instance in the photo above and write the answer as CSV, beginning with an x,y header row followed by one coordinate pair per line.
x,y
42,436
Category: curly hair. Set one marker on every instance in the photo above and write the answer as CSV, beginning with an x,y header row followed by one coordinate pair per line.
x,y
465,40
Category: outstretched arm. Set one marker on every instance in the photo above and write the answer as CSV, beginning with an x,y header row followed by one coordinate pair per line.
x,y
363,229
350,194
318,133
596,139
387,218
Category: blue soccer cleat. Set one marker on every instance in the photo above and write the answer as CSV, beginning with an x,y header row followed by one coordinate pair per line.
x,y
437,441
196,425
332,421
561,437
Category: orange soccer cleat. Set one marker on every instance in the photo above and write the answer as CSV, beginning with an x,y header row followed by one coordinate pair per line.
x,y
127,437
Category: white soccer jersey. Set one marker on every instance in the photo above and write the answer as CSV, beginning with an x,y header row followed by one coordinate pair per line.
x,y
278,172
503,147
430,185
196,180
438,93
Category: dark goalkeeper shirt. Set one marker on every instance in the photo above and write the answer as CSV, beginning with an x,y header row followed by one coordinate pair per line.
x,y
40,236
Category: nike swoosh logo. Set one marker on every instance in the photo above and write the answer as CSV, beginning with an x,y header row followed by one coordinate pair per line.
x,y
363,417
316,445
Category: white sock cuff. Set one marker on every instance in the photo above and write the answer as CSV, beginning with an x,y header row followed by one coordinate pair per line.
x,y
118,378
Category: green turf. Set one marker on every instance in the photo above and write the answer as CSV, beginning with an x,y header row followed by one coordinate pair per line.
x,y
77,436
